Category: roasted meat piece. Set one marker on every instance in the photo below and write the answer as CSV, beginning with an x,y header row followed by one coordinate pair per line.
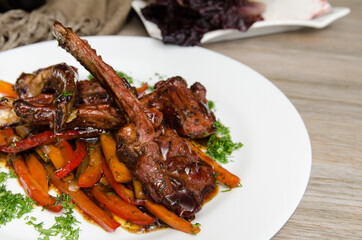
x,y
91,92
60,80
173,174
184,109
99,116
36,114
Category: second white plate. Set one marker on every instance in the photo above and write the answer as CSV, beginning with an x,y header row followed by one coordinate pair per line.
x,y
257,29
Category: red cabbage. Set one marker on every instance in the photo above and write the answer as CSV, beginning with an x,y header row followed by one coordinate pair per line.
x,y
184,22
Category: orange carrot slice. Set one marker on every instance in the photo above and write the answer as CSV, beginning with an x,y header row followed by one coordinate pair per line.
x,y
32,188
118,187
120,171
83,202
121,208
37,170
223,175
170,218
93,172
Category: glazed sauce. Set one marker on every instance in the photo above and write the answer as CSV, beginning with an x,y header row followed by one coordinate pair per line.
x,y
210,195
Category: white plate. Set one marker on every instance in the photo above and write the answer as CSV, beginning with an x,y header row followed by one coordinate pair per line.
x,y
272,24
274,163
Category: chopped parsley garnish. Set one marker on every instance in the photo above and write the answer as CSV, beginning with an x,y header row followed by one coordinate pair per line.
x,y
5,176
127,77
159,76
151,88
220,145
64,224
228,190
196,225
12,205
211,105
65,93
121,74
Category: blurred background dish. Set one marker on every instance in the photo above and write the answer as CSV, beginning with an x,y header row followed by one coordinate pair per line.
x,y
279,16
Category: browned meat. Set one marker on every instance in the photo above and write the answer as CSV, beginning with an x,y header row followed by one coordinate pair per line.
x,y
91,92
36,114
42,99
108,77
173,174
170,171
184,109
154,116
100,116
57,79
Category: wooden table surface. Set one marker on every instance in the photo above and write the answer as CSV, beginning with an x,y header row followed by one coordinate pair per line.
x,y
320,71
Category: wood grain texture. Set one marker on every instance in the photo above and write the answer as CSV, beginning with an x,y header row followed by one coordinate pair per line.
x,y
320,71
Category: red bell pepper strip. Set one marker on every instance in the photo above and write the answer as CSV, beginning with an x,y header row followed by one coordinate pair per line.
x,y
79,154
117,186
121,208
9,133
29,142
45,138
32,188
83,202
